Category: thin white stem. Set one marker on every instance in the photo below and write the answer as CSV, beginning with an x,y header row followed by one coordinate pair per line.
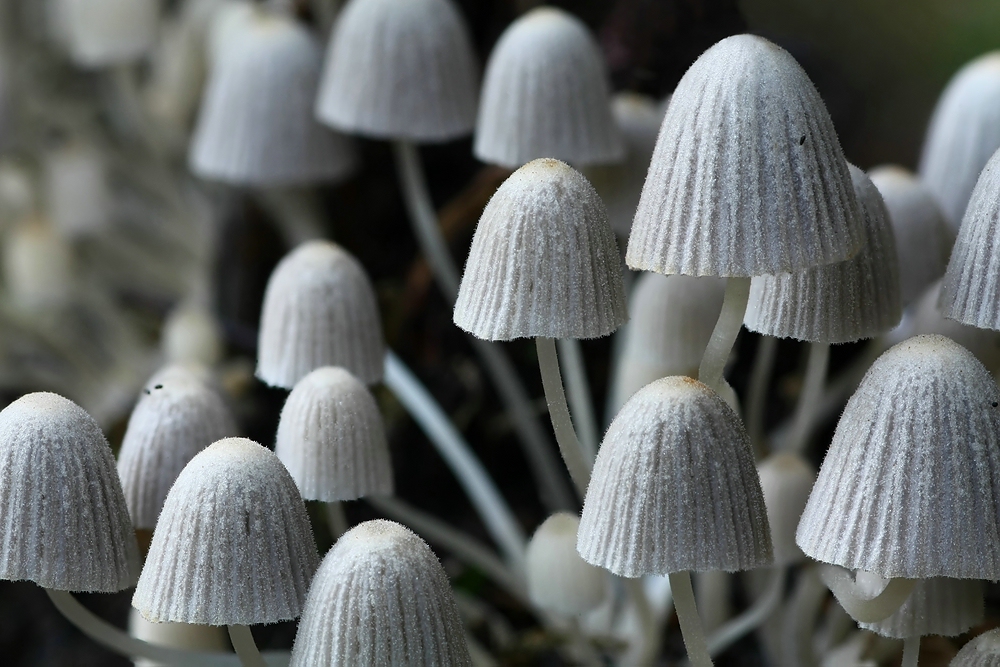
x,y
760,380
649,627
861,607
690,622
734,307
562,424
296,213
245,646
812,389
712,594
801,616
336,520
752,618
911,651
578,391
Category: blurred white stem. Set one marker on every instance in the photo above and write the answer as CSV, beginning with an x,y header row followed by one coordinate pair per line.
x,y
690,622
336,519
800,620
861,607
752,618
911,651
812,389
648,625
562,424
578,391
245,647
711,592
727,328
760,381
296,213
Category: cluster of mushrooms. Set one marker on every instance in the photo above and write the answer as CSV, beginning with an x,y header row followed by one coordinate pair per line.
x,y
737,204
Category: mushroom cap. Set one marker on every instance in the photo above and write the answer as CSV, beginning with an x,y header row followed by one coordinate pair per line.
x,y
543,261
380,598
546,94
233,544
319,310
558,579
400,69
748,177
192,335
909,486
100,33
835,303
927,319
332,440
983,651
674,487
936,606
256,124
66,526
786,480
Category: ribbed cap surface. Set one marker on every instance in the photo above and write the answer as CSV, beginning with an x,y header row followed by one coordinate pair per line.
x,y
332,440
546,94
380,598
177,416
748,177
543,261
927,319
64,520
674,487
923,238
256,124
558,579
964,132
937,606
100,33
233,544
786,480
836,303
319,310
909,485
983,651
400,69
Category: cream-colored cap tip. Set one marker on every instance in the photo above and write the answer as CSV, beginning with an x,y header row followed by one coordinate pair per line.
x,y
177,416
715,202
786,480
332,439
674,487
836,303
543,262
983,651
319,310
909,485
923,238
400,70
559,580
100,33
65,522
233,544
256,124
964,132
546,94
937,606
380,598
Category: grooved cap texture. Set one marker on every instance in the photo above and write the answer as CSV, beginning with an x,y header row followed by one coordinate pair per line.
x,y
748,177
64,521
380,598
786,480
558,579
100,33
256,124
546,94
319,310
332,440
400,69
910,486
543,261
674,487
836,303
937,606
983,651
233,545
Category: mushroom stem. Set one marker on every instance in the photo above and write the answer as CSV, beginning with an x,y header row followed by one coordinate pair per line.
x,y
296,213
245,646
578,391
800,620
734,307
911,651
812,389
760,379
690,622
336,519
731,632
648,624
862,608
562,424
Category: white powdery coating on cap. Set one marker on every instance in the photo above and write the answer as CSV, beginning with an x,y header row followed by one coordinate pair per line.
x,y
558,579
748,177
400,69
674,487
256,124
63,516
380,598
983,651
543,262
177,416
319,310
964,132
786,480
923,238
927,319
332,440
836,303
937,606
106,32
546,94
908,486
672,319
233,545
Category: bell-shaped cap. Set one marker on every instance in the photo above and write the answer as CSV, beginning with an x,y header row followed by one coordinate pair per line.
x,y
927,319
748,177
546,94
836,303
233,544
786,480
983,651
543,261
909,486
400,69
936,606
100,33
559,580
332,440
192,335
963,133
319,310
177,416
674,487
380,598
256,124
65,523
